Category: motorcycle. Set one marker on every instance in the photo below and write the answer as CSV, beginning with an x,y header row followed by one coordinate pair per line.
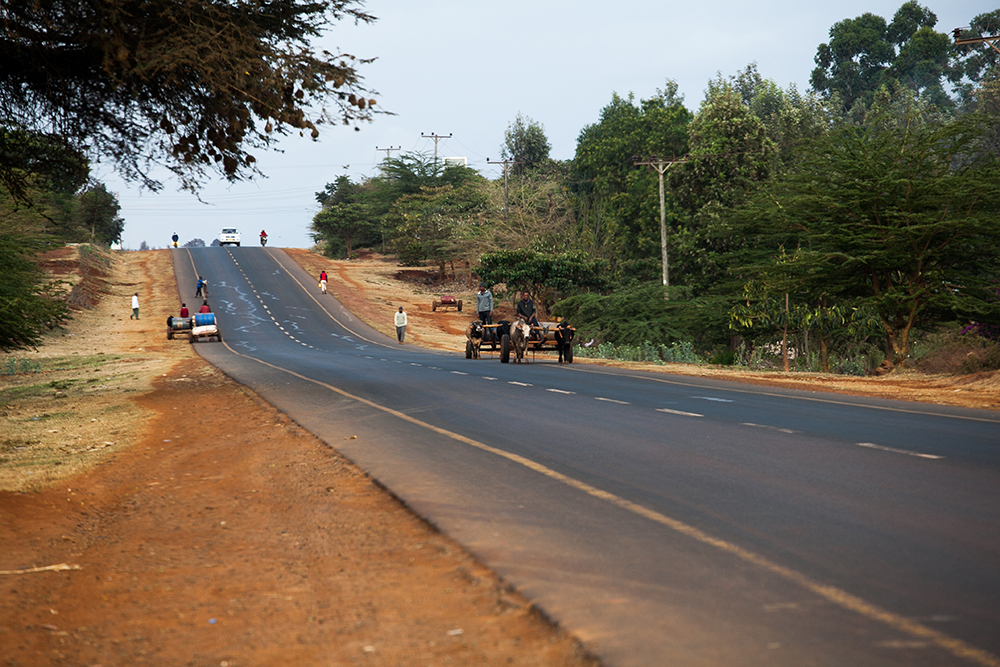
x,y
263,241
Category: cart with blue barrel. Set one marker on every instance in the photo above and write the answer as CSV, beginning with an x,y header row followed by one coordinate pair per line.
x,y
201,325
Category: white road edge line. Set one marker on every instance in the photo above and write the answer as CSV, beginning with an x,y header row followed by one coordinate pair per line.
x,y
679,412
872,445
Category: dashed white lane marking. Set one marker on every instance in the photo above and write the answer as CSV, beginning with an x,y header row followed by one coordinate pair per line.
x,y
872,445
521,384
679,412
610,400
710,398
773,428
561,391
487,377
458,373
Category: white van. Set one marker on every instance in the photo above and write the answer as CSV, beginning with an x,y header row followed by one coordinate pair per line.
x,y
229,235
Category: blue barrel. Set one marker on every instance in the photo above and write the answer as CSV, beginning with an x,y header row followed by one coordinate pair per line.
x,y
204,319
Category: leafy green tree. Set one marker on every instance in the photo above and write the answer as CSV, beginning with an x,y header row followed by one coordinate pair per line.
x,y
866,52
195,243
897,218
346,217
546,276
618,205
193,85
730,155
432,223
28,305
526,144
97,214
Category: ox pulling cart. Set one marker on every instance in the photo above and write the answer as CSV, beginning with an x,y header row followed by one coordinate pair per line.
x,y
551,336
201,325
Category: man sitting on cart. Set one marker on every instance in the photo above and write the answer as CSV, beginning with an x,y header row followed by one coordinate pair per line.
x,y
526,311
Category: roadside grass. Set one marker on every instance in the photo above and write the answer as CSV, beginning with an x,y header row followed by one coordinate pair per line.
x,y
53,413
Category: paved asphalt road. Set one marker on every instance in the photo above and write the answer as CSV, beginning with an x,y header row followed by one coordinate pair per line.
x,y
664,520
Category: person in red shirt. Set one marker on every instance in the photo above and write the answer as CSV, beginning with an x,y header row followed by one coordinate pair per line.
x,y
204,308
184,310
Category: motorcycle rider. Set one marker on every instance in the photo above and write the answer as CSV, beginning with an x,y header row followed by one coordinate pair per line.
x,y
263,237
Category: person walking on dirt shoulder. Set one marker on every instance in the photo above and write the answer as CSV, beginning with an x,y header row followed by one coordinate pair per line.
x,y
322,282
400,325
135,307
184,310
484,304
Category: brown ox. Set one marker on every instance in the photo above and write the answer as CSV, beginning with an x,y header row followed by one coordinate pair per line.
x,y
474,338
519,332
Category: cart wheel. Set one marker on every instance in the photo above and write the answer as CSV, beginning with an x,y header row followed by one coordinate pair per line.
x,y
434,306
468,349
505,349
193,339
568,355
170,334
459,305
219,337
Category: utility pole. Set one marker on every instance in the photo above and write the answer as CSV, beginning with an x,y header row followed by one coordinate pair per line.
x,y
957,32
506,164
436,138
661,165
390,148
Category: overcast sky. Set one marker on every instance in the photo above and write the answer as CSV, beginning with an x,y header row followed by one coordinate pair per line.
x,y
467,68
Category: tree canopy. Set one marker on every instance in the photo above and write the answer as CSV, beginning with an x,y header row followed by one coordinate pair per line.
x,y
866,52
192,85
526,144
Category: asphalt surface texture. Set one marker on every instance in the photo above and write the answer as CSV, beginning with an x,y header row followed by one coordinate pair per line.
x,y
661,519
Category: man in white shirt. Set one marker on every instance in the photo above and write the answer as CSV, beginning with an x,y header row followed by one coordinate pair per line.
x,y
400,325
135,307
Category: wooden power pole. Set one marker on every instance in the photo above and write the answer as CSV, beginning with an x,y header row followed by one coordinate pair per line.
x,y
506,164
387,150
975,40
661,165
436,138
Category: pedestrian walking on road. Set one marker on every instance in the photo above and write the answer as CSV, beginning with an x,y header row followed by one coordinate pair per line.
x,y
322,282
135,307
400,325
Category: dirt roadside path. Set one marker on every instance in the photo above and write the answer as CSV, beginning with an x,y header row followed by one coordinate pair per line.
x,y
199,540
